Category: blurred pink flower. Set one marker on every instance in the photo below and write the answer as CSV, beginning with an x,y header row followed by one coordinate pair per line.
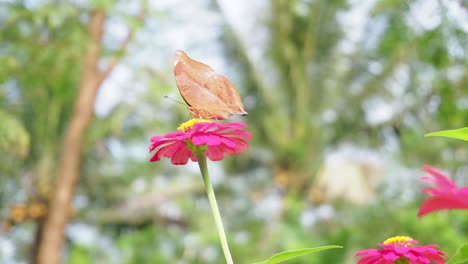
x,y
445,195
401,250
200,135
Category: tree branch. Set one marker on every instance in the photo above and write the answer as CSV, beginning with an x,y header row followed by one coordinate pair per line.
x,y
52,235
141,209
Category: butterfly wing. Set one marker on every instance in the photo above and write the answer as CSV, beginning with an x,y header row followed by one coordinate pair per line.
x,y
208,94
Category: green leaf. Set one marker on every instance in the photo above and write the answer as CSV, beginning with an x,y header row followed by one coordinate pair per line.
x,y
461,256
461,133
293,254
103,4
14,138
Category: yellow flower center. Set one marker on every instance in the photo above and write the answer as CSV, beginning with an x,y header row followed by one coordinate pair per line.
x,y
399,240
184,127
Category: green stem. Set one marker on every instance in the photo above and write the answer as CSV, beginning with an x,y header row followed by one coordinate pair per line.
x,y
201,157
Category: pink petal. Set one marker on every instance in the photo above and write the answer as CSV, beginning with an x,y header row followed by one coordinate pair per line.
x,y
205,126
400,249
237,133
443,202
221,139
370,251
167,151
463,191
215,153
241,144
181,156
391,252
236,125
427,248
438,178
192,156
390,256
369,260
373,260
414,257
156,138
445,194
168,136
228,143
166,139
439,259
210,139
160,142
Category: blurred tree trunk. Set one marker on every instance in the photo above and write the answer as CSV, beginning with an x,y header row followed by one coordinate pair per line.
x,y
50,247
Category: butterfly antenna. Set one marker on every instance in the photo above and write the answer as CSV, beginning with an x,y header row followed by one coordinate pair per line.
x,y
173,100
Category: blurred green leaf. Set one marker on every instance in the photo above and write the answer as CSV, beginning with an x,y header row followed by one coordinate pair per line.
x,y
461,133
103,4
81,254
286,255
14,138
461,256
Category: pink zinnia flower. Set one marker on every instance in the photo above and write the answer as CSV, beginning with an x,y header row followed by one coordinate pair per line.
x,y
401,250
200,135
445,195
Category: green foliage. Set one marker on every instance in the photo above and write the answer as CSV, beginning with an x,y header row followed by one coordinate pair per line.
x,y
53,29
139,247
434,49
460,257
14,139
461,133
81,255
283,256
103,4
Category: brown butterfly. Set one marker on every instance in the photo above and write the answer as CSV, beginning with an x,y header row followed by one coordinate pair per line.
x,y
207,94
